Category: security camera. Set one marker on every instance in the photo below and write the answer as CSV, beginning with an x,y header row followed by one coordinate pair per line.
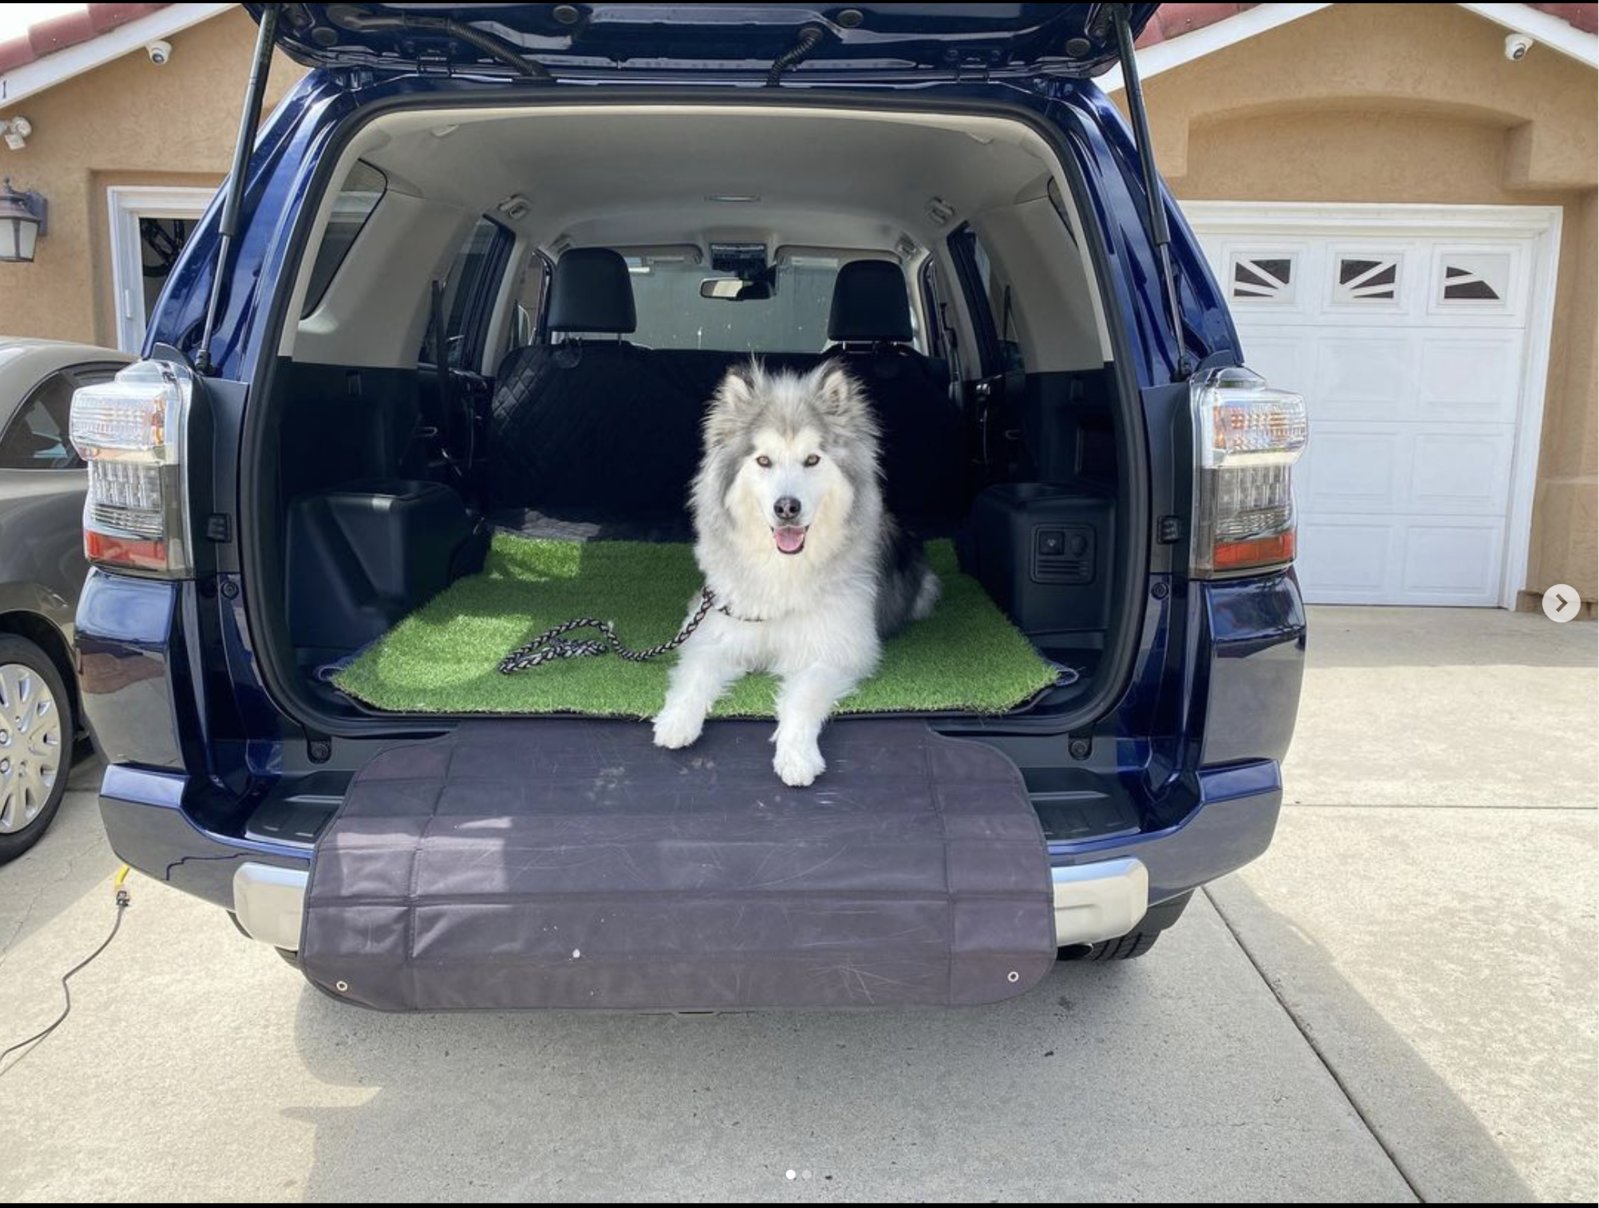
x,y
159,52
1517,46
16,132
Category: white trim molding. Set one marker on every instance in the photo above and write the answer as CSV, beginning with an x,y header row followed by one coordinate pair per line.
x,y
1174,52
56,68
1539,224
127,204
1541,27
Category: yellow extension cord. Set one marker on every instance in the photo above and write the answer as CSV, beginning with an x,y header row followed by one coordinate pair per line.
x,y
123,899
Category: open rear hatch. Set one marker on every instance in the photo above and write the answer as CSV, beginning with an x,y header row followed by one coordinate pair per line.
x,y
834,42
515,864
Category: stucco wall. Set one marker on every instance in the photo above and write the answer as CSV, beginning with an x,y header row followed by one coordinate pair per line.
x,y
129,122
1417,103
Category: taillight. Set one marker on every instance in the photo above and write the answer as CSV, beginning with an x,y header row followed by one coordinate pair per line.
x,y
131,432
1247,437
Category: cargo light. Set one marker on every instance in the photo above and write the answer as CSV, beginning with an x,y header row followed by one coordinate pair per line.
x,y
1247,438
131,432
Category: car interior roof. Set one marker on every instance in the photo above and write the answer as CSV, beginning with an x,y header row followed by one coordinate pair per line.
x,y
613,175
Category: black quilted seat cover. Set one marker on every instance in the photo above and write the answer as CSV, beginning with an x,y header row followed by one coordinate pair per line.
x,y
555,863
592,423
612,430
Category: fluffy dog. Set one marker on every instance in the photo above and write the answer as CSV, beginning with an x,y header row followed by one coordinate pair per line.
x,y
810,573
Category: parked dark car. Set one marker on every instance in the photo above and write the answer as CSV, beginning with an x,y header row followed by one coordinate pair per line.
x,y
480,271
42,569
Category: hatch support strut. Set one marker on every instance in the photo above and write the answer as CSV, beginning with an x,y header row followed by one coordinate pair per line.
x,y
1159,228
234,186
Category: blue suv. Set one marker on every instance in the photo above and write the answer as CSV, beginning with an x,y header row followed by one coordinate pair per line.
x,y
478,274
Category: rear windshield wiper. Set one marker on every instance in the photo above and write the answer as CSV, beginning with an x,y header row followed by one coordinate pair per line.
x,y
493,45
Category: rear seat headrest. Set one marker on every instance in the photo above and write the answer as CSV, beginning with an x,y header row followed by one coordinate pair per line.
x,y
870,304
590,290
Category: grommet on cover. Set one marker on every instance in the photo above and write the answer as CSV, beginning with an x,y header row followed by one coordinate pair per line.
x,y
341,986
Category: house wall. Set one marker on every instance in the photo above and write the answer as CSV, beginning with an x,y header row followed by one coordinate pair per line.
x,y
128,122
1417,103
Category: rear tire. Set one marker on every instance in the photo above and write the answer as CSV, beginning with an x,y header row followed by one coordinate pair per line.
x,y
1135,943
1125,948
36,730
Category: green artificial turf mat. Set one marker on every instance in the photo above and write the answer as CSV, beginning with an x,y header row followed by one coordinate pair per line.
x,y
445,657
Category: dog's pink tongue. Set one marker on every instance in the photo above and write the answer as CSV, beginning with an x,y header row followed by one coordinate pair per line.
x,y
790,540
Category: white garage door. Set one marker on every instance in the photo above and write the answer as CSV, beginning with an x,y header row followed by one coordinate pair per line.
x,y
1418,336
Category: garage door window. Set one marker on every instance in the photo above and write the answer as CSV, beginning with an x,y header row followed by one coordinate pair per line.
x,y
1367,279
1475,279
1263,278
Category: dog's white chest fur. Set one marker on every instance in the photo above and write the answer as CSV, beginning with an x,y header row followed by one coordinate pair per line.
x,y
794,617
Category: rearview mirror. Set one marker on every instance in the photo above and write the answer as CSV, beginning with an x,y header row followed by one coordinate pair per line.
x,y
736,289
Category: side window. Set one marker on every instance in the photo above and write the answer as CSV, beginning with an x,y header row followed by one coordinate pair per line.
x,y
469,290
530,297
935,328
36,437
988,295
362,191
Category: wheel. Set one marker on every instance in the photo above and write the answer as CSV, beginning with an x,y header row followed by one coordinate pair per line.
x,y
36,729
1135,943
290,957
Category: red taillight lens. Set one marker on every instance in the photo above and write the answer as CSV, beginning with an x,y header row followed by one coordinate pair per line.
x,y
108,550
131,432
1247,437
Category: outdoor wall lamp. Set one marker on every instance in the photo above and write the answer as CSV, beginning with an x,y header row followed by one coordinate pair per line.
x,y
22,221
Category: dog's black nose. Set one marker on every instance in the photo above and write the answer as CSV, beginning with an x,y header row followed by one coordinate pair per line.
x,y
787,507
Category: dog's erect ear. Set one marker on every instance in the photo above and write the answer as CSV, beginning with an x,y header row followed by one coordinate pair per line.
x,y
837,392
738,387
732,403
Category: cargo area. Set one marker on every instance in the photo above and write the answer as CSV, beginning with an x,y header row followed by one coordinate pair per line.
x,y
475,423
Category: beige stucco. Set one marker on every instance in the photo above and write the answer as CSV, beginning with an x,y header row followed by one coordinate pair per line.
x,y
129,122
1417,103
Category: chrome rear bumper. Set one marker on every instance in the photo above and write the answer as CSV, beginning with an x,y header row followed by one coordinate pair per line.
x,y
1099,901
1093,902
269,902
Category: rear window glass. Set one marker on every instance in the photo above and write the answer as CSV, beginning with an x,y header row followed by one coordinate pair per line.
x,y
36,439
362,191
672,314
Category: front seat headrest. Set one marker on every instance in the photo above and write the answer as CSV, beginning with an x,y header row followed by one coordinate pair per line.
x,y
870,304
590,290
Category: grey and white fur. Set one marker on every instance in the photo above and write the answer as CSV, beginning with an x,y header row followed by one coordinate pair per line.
x,y
793,539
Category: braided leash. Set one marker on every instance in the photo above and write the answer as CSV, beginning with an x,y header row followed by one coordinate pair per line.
x,y
550,644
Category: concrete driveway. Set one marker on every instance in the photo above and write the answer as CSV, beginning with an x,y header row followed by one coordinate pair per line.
x,y
1397,1002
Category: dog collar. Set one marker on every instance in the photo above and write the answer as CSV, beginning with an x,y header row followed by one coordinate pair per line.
x,y
727,611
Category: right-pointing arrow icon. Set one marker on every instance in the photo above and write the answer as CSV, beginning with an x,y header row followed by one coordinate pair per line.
x,y
1562,602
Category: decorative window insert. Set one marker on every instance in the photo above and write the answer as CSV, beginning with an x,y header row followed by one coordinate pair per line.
x,y
1367,278
1475,278
1263,278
